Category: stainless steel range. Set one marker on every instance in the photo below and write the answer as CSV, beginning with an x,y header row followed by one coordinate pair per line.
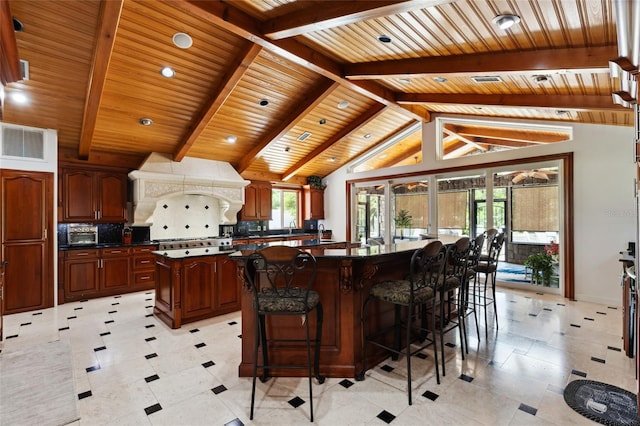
x,y
194,243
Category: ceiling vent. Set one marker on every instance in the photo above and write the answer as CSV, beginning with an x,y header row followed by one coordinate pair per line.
x,y
304,136
24,69
487,79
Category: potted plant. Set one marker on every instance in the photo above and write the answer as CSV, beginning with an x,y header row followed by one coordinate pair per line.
x,y
315,182
403,220
541,265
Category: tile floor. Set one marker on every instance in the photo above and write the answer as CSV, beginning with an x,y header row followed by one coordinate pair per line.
x,y
130,369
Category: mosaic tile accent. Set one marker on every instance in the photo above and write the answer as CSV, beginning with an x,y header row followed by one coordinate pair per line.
x,y
296,402
386,416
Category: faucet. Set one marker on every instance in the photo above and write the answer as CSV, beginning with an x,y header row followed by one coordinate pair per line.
x,y
291,226
320,230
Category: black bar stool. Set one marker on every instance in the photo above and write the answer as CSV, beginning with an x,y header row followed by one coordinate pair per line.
x,y
488,266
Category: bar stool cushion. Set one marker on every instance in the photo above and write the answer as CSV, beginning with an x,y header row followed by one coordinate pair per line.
x,y
294,301
485,268
399,292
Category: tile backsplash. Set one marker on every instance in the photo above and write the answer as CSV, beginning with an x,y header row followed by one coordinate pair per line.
x,y
186,216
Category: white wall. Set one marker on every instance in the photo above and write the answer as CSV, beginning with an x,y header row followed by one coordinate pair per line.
x,y
604,203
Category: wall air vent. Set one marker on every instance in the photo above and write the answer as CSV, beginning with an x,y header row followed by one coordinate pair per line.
x,y
24,69
19,142
487,79
304,136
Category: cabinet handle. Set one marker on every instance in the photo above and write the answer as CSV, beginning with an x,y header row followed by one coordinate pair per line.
x,y
145,261
95,214
99,214
116,251
145,277
82,254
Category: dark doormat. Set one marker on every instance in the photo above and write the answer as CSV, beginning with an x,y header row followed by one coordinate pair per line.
x,y
602,403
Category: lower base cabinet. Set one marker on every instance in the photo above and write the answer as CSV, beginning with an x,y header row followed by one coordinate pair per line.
x,y
193,289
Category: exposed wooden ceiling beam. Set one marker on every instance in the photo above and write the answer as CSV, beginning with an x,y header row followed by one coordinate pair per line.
x,y
392,161
463,139
9,56
110,17
507,143
523,135
345,132
231,79
458,152
556,102
336,13
549,61
225,15
312,100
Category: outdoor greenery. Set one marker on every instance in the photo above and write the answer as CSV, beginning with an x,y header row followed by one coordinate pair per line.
x,y
541,265
315,182
403,220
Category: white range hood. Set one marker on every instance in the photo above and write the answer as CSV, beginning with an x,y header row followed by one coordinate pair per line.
x,y
159,178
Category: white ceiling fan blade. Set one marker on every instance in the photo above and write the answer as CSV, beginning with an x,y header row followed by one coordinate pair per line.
x,y
518,178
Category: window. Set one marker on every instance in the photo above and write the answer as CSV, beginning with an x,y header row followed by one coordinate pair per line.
x,y
285,208
453,212
535,214
412,197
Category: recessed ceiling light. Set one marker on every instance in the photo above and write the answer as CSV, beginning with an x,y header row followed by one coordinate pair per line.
x,y
322,121
263,102
287,149
182,40
540,78
19,97
231,139
17,25
145,121
404,80
367,135
343,104
167,72
440,79
332,159
506,21
563,112
384,39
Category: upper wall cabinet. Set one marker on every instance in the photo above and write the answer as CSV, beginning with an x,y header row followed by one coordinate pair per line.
x,y
257,202
96,196
313,203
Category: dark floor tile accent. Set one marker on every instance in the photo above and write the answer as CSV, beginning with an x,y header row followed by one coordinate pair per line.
x,y
40,313
528,409
466,378
149,306
117,297
239,336
540,294
60,329
13,336
234,422
78,308
346,383
589,319
387,368
579,373
153,408
84,395
576,325
561,304
208,364
386,416
148,315
92,368
430,395
149,326
562,333
449,344
612,307
151,378
84,300
72,317
601,313
25,323
613,348
195,330
296,402
100,348
557,389
512,301
219,389
533,315
109,322
153,355
148,300
106,333
112,312
115,304
492,362
548,309
150,339
233,323
200,345
600,360
422,355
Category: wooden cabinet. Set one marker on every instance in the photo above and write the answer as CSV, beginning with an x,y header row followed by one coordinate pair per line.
x,y
2,263
93,195
257,202
193,289
313,203
144,268
89,273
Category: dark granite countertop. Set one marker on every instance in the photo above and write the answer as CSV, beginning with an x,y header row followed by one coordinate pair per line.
x,y
103,245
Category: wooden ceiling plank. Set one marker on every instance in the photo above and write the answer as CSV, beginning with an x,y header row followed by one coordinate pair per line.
x,y
513,134
401,157
224,15
314,98
231,79
10,58
345,132
337,13
463,139
110,17
549,61
557,102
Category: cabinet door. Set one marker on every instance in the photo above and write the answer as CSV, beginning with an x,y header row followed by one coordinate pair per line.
x,y
114,273
227,289
265,201
112,193
2,263
313,203
81,277
198,277
79,196
250,209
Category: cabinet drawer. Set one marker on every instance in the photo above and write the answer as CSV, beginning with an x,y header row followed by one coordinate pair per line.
x,y
144,277
115,251
81,254
143,262
144,249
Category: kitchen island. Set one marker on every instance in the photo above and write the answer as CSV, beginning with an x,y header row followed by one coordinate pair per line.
x,y
344,278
